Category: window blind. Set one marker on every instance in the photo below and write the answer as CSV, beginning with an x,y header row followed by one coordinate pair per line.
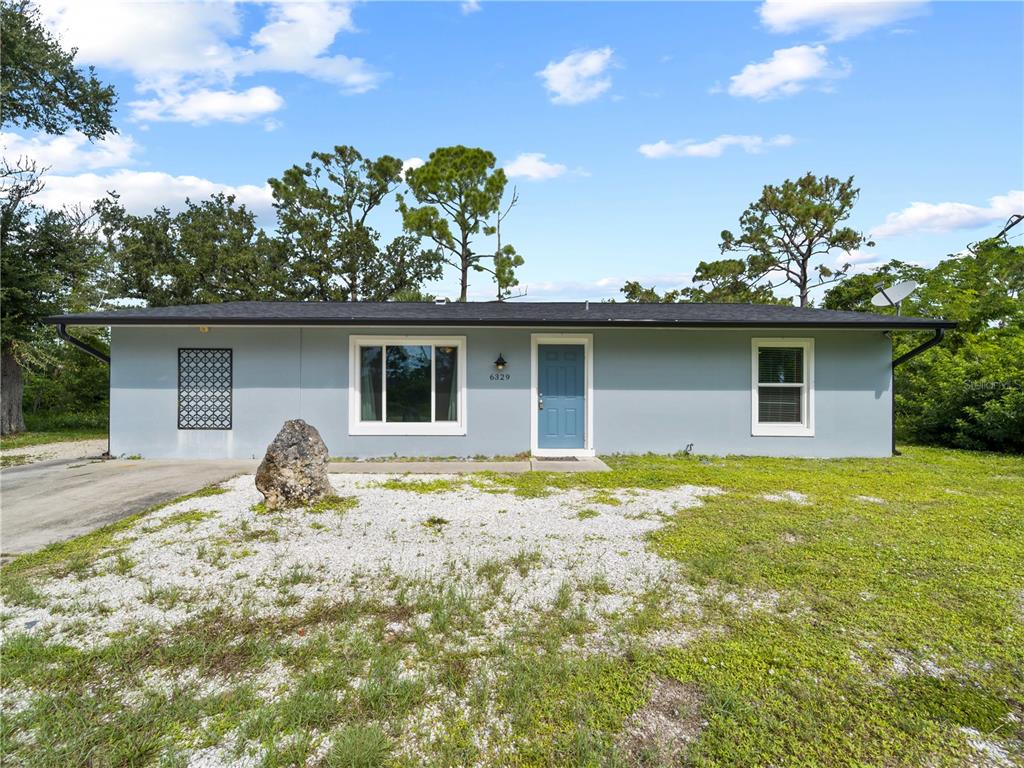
x,y
780,365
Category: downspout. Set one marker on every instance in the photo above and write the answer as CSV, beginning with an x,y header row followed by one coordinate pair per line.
x,y
62,331
936,339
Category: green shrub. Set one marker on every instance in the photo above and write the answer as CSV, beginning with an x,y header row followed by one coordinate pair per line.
x,y
967,396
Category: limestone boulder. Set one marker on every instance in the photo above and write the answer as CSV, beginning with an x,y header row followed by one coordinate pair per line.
x,y
294,471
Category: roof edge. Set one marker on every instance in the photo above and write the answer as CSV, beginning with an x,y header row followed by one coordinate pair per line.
x,y
906,323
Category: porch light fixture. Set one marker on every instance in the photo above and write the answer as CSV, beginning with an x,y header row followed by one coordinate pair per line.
x,y
500,363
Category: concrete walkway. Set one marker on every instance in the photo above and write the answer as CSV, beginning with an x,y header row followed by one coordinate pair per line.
x,y
463,467
50,501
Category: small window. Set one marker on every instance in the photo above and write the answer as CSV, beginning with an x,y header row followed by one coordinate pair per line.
x,y
407,386
783,387
204,389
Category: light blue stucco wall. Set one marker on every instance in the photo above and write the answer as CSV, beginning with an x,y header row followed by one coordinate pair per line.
x,y
656,390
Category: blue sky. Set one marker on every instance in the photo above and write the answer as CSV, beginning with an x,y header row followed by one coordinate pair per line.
x,y
637,131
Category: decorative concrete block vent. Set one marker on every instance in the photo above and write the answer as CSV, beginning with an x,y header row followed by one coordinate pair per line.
x,y
294,471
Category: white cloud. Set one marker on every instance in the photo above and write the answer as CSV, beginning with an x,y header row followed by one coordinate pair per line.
x,y
176,50
839,18
579,77
152,40
204,105
142,191
411,164
296,39
533,166
787,72
713,148
945,217
594,290
70,152
856,256
470,6
860,261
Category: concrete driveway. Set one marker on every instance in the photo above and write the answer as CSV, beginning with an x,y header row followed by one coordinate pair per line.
x,y
56,500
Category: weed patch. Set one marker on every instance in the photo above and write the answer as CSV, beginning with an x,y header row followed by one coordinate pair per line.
x,y
338,504
435,485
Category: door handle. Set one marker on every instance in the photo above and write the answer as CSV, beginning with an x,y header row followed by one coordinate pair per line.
x,y
540,403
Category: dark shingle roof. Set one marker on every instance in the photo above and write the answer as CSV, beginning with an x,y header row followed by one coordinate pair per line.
x,y
511,313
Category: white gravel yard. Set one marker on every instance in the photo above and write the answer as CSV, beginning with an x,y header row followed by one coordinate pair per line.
x,y
222,549
452,564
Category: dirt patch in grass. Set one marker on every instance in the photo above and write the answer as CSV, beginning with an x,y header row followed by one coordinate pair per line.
x,y
659,733
792,496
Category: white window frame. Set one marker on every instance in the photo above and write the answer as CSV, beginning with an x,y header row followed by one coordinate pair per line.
x,y
776,429
587,340
356,426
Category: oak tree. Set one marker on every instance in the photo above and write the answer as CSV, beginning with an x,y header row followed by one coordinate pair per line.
x,y
40,86
50,262
45,256
211,251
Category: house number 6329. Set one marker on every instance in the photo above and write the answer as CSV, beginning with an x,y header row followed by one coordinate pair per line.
x,y
501,377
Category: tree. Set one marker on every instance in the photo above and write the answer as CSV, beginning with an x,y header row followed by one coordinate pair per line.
x,y
722,281
637,293
855,291
322,210
212,251
788,231
505,257
729,281
459,195
41,89
981,289
968,392
50,260
40,86
978,289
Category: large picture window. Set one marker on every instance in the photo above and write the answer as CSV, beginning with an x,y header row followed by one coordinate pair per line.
x,y
783,387
407,386
204,389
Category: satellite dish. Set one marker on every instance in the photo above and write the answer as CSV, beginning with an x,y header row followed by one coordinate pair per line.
x,y
893,295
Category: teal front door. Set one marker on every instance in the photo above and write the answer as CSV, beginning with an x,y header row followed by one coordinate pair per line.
x,y
561,396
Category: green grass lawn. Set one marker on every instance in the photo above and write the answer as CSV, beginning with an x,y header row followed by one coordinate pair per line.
x,y
57,428
874,617
26,439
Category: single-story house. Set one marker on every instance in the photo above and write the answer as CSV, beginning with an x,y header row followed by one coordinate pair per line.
x,y
501,378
